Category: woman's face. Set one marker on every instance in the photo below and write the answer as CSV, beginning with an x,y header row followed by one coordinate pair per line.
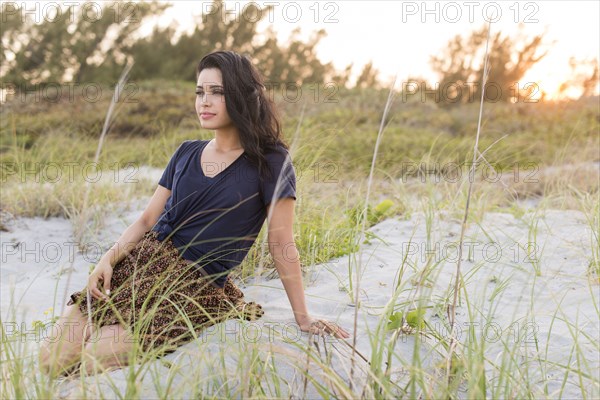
x,y
210,100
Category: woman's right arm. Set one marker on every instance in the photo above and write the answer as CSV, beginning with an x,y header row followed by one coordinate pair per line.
x,y
127,242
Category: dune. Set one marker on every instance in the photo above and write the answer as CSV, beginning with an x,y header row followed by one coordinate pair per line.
x,y
544,316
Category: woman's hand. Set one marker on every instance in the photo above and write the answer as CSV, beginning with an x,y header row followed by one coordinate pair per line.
x,y
101,273
323,327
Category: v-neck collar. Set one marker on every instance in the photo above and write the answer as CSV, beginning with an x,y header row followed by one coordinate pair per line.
x,y
212,178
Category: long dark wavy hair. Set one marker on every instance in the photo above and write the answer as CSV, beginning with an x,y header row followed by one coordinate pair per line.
x,y
248,105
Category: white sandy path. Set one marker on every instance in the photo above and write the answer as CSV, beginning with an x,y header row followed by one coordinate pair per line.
x,y
563,235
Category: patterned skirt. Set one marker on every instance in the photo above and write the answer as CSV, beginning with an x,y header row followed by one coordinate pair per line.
x,y
165,297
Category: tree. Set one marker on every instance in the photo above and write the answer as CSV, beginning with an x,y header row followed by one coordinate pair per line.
x,y
293,63
213,31
341,79
585,83
368,77
73,45
460,67
75,48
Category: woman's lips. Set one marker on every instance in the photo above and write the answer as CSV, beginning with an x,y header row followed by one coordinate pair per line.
x,y
207,115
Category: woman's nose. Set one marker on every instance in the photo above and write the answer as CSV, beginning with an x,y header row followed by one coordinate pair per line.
x,y
204,98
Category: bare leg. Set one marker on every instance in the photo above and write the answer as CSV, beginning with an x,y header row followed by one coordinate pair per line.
x,y
108,348
61,350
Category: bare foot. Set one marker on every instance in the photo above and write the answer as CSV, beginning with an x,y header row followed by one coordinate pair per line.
x,y
250,311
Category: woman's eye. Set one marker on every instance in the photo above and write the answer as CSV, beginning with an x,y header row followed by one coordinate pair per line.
x,y
214,93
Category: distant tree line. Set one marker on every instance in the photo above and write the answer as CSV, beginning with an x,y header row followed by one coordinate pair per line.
x,y
93,43
70,47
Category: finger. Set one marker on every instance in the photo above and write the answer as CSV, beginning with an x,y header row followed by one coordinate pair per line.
x,y
92,284
315,328
339,332
96,293
343,334
336,330
343,331
330,327
107,278
318,329
322,330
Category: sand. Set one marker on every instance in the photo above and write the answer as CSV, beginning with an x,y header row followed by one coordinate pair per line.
x,y
509,298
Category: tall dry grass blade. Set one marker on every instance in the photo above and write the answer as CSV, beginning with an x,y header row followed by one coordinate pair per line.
x,y
83,215
364,222
452,310
107,121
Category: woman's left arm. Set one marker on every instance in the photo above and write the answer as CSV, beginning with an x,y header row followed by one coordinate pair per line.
x,y
287,262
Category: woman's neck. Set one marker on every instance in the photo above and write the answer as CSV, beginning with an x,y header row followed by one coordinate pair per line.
x,y
227,141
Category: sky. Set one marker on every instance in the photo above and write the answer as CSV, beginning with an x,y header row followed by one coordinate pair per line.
x,y
399,37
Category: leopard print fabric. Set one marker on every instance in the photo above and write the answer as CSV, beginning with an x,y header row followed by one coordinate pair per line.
x,y
154,289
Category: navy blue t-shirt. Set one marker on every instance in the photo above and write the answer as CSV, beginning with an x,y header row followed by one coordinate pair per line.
x,y
214,221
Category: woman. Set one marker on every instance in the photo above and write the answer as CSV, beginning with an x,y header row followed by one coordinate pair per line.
x,y
170,267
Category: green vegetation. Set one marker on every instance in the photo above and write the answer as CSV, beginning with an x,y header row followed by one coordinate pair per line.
x,y
527,148
422,143
332,158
